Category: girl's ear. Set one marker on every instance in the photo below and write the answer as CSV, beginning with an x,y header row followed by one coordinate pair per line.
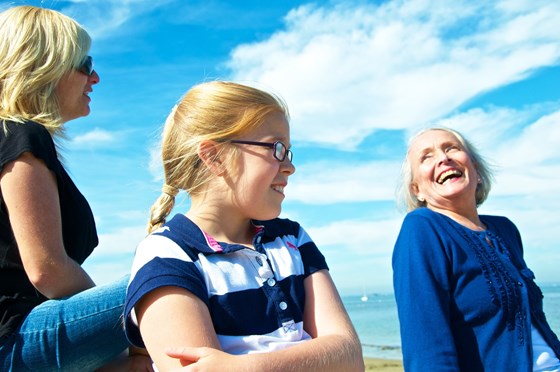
x,y
209,153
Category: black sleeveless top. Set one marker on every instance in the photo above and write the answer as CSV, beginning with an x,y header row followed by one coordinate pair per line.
x,y
17,294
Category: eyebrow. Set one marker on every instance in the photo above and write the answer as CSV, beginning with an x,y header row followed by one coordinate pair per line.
x,y
453,143
446,144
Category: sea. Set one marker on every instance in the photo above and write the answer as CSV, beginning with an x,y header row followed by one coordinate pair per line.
x,y
377,323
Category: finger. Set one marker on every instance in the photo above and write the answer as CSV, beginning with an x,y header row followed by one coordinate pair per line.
x,y
187,353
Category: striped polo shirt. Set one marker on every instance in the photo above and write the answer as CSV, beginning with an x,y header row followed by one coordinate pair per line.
x,y
256,298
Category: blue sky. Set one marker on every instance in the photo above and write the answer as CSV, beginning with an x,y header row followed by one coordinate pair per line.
x,y
359,77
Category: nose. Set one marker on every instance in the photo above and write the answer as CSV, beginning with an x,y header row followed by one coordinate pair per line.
x,y
287,167
443,157
94,78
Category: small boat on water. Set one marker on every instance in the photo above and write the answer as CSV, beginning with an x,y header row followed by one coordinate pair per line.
x,y
364,297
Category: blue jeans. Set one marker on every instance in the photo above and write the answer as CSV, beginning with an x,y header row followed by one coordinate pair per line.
x,y
77,333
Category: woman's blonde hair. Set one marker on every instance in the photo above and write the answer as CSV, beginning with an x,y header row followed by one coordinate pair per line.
x,y
37,48
407,200
216,111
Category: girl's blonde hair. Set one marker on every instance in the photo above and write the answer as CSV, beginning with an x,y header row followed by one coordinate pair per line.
x,y
37,48
216,111
408,201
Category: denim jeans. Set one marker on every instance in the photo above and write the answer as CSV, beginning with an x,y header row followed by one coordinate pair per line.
x,y
77,333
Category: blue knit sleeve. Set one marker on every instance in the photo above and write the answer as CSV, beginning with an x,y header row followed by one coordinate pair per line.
x,y
421,278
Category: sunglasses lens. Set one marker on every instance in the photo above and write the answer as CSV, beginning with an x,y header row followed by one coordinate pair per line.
x,y
87,66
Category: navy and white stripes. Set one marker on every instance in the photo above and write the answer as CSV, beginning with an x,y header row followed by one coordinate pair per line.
x,y
255,297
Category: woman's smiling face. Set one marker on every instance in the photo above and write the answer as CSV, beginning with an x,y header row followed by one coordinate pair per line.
x,y
443,174
73,94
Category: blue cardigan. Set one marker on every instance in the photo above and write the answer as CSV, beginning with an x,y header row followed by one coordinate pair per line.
x,y
465,299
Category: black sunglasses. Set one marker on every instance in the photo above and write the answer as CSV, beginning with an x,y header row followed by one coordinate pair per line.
x,y
280,150
86,67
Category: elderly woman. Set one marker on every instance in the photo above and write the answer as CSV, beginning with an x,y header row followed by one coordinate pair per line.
x,y
466,299
52,316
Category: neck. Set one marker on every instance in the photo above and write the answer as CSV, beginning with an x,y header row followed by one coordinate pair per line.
x,y
221,223
468,218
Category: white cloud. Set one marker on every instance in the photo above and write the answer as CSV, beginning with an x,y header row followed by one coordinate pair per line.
x,y
123,240
94,137
359,252
112,259
103,19
349,69
358,237
342,182
488,128
520,144
536,145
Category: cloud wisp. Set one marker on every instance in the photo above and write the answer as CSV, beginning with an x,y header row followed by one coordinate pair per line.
x,y
94,138
350,69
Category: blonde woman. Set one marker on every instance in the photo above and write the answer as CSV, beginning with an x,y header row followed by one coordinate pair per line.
x,y
237,287
52,316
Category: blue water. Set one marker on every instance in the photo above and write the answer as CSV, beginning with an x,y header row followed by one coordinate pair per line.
x,y
378,327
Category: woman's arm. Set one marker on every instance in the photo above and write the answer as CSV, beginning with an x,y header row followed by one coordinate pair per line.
x,y
30,192
335,345
422,290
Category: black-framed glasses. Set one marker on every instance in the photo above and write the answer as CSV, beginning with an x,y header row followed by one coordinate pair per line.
x,y
280,150
87,66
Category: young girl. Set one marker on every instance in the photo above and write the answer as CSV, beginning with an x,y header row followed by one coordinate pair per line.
x,y
228,283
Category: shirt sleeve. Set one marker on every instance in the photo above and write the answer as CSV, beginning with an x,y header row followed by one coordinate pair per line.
x,y
18,138
313,259
159,262
421,281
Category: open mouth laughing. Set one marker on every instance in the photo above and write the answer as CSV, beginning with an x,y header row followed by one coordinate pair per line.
x,y
448,175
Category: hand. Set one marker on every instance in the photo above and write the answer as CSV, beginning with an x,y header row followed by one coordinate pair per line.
x,y
204,359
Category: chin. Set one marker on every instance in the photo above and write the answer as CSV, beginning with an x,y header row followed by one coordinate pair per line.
x,y
84,111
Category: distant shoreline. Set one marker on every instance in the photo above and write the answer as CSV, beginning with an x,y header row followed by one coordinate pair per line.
x,y
355,292
386,365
